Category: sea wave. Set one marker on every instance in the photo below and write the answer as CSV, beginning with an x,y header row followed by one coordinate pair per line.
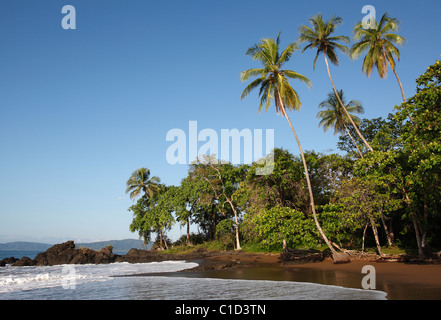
x,y
31,278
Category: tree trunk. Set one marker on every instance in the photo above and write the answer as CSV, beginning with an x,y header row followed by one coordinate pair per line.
x,y
163,239
402,93
237,222
364,237
389,240
344,108
322,234
353,140
188,231
160,238
415,225
399,82
377,241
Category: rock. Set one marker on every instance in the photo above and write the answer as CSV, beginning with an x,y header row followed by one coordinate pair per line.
x,y
66,253
341,257
24,261
58,254
9,261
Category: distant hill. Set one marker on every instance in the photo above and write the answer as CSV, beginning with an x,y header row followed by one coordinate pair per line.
x,y
24,246
118,245
121,246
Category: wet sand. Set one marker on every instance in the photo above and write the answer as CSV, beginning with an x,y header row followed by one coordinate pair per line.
x,y
401,281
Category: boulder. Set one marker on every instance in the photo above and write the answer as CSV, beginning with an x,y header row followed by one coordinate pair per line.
x,y
341,257
24,261
9,261
58,254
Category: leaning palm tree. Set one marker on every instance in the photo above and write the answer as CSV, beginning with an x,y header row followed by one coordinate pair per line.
x,y
333,116
319,36
274,85
140,181
380,45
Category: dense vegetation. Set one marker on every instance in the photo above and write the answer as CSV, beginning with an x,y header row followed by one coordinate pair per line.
x,y
383,189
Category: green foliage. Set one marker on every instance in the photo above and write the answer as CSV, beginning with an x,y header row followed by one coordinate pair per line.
x,y
225,233
379,43
272,80
281,223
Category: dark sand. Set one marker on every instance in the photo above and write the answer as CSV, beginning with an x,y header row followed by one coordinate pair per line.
x,y
401,281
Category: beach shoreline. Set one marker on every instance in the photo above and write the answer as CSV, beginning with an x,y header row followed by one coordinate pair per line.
x,y
400,280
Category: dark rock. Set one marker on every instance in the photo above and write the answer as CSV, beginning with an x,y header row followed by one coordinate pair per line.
x,y
9,261
67,253
58,254
23,262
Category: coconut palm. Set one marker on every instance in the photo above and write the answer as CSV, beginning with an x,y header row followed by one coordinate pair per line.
x,y
273,85
380,45
140,181
319,36
333,116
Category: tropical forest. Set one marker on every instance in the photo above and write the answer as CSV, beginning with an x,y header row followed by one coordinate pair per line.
x,y
381,192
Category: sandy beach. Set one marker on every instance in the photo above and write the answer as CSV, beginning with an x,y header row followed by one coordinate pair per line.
x,y
401,281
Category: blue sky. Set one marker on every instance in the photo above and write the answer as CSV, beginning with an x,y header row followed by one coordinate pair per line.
x,y
81,109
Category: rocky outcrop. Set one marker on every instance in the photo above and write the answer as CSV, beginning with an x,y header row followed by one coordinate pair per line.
x,y
9,261
64,253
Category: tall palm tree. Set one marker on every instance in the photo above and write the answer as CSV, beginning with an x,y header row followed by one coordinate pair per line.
x,y
380,45
140,181
274,85
319,36
333,116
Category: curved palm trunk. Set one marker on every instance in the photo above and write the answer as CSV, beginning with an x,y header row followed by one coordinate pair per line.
x,y
344,108
399,82
353,140
308,181
402,94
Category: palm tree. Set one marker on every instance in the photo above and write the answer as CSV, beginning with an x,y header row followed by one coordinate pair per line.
x,y
380,44
333,116
140,181
319,37
273,85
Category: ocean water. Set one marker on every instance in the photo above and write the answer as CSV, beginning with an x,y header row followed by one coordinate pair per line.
x,y
125,281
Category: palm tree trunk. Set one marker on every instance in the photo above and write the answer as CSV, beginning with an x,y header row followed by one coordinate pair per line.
x,y
399,82
344,108
308,181
402,92
353,140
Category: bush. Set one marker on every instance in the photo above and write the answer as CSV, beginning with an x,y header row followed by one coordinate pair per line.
x,y
225,233
283,223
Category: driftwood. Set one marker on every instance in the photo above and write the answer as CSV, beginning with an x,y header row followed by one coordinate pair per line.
x,y
297,255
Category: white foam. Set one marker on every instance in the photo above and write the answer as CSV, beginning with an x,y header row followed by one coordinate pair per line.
x,y
29,278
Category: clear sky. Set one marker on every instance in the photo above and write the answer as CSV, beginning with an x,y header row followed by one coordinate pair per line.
x,y
81,109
